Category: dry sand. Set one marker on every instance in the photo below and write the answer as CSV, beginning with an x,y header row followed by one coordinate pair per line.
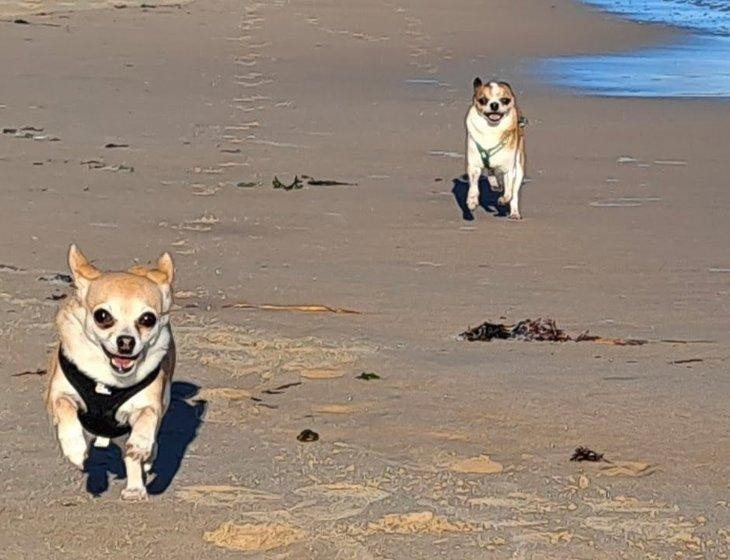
x,y
213,94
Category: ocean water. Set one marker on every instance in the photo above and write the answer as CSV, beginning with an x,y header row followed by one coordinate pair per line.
x,y
706,16
696,65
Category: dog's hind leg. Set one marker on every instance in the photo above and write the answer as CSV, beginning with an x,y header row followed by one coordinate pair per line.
x,y
512,183
507,183
514,205
472,197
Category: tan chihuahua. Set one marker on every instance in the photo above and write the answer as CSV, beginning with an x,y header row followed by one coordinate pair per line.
x,y
112,368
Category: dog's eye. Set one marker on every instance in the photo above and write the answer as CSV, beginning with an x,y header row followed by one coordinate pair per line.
x,y
505,101
482,101
103,318
147,320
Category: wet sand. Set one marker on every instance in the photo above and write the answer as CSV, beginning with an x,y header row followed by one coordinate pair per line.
x,y
459,450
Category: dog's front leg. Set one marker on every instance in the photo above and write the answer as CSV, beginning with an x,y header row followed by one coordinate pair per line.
x,y
472,197
138,450
70,432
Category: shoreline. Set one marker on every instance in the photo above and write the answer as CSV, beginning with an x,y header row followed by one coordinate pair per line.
x,y
693,65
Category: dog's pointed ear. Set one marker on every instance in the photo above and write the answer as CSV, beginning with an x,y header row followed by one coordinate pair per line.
x,y
82,270
167,267
477,83
508,86
162,275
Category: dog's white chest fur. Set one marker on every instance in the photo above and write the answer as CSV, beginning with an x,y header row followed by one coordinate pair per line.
x,y
480,133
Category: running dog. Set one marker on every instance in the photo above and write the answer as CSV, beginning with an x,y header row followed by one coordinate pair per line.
x,y
495,143
112,368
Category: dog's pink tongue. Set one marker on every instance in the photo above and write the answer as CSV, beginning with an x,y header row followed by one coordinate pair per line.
x,y
122,363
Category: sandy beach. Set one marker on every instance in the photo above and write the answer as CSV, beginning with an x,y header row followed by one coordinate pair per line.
x,y
134,130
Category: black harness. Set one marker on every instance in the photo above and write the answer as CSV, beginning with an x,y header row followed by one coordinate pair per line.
x,y
101,409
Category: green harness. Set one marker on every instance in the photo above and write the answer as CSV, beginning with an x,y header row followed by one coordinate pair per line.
x,y
486,154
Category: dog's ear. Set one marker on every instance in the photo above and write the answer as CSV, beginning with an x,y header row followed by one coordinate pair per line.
x,y
82,270
162,275
477,83
166,266
509,87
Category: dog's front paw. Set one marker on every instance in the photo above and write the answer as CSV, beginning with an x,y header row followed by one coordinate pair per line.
x,y
135,494
515,216
138,447
75,450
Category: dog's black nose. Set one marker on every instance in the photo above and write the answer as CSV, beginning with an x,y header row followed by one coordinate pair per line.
x,y
494,106
125,345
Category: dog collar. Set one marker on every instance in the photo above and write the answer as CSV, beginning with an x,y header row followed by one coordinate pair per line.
x,y
99,418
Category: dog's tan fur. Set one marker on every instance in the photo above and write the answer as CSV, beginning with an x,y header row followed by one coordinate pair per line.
x,y
126,294
495,100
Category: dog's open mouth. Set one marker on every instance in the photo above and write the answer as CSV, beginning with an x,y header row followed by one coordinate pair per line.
x,y
494,117
121,364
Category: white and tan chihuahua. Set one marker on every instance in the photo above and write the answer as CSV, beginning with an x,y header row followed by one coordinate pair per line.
x,y
495,143
112,368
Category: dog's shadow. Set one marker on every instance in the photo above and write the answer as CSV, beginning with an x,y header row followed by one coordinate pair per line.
x,y
179,428
487,197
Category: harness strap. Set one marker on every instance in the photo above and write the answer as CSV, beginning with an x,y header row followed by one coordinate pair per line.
x,y
486,154
101,408
522,122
